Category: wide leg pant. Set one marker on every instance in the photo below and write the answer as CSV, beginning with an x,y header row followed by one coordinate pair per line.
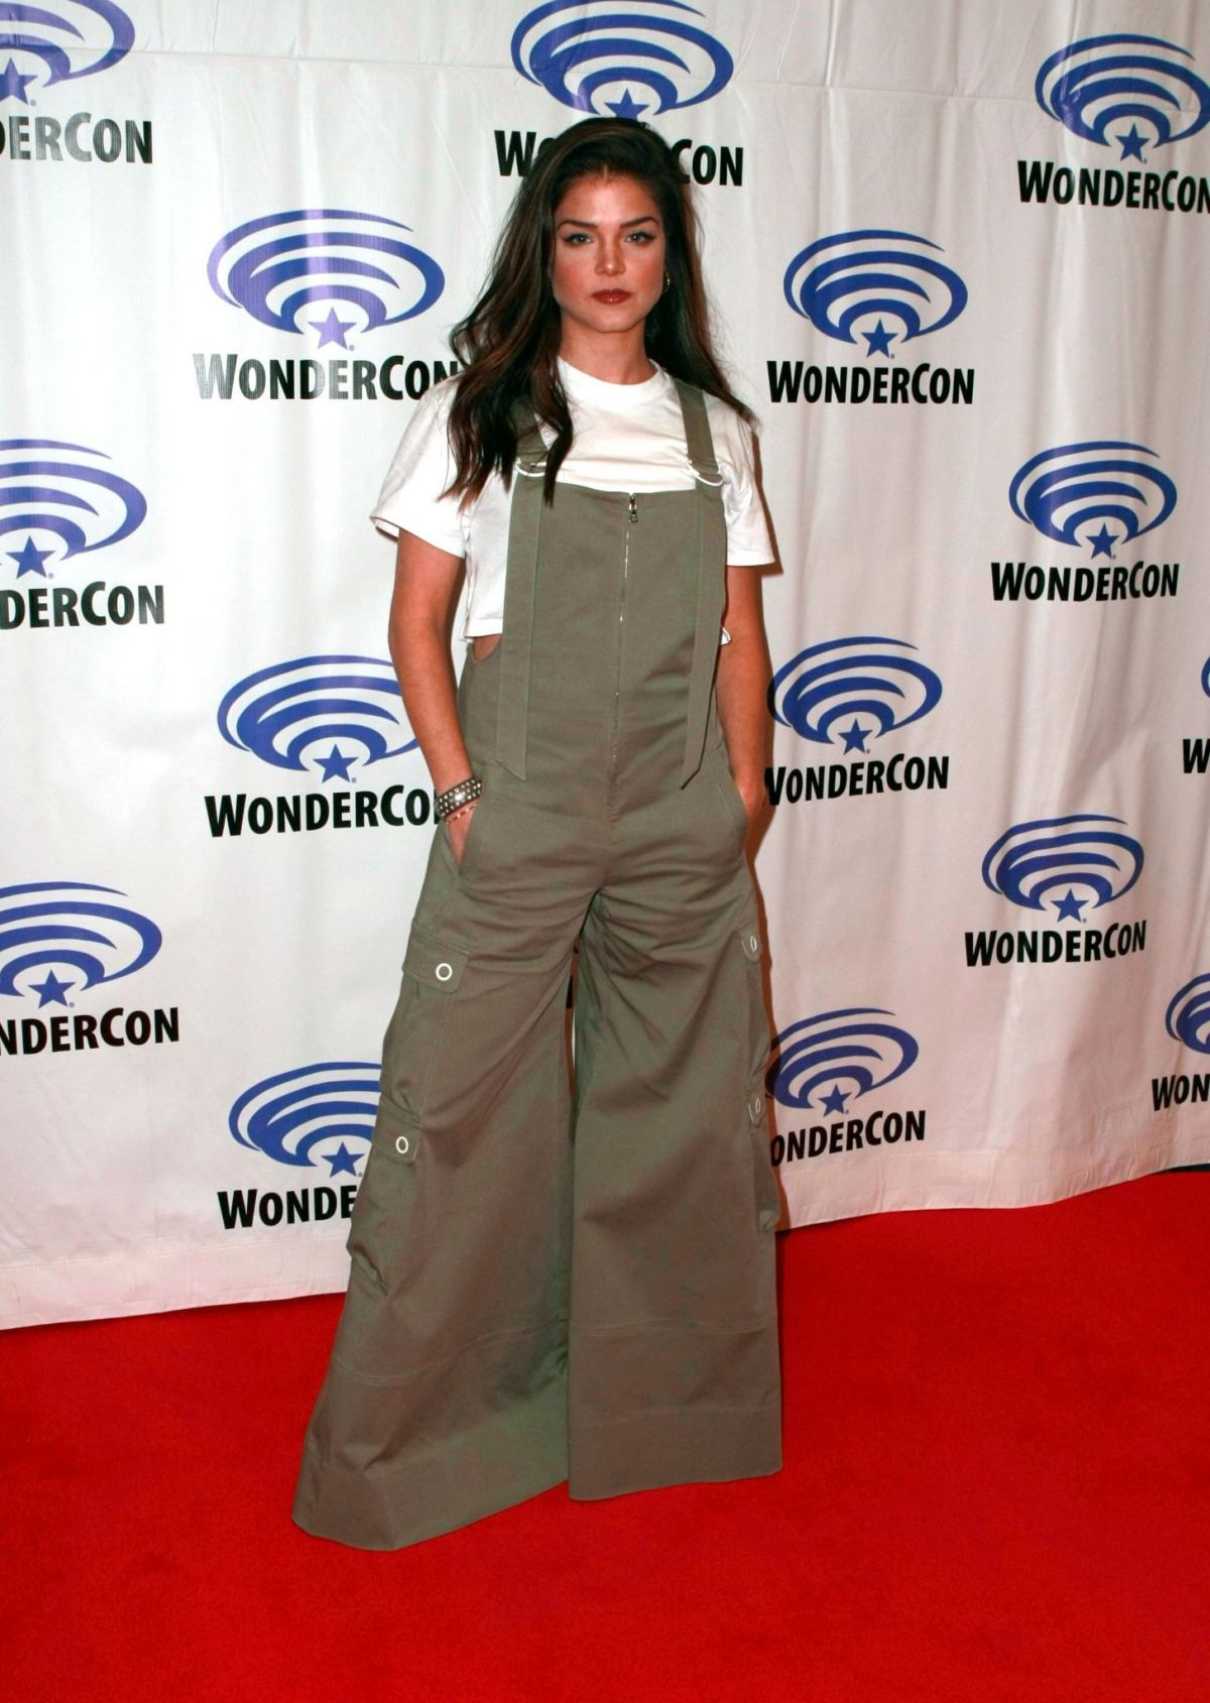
x,y
543,1290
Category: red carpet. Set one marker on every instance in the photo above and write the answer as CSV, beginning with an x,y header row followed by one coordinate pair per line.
x,y
997,1487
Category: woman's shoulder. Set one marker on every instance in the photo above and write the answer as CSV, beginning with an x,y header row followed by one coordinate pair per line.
x,y
733,435
725,419
425,433
434,406
725,413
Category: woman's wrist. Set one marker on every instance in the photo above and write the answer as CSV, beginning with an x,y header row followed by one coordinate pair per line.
x,y
447,771
454,798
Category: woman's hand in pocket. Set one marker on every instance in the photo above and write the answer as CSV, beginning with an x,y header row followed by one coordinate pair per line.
x,y
457,827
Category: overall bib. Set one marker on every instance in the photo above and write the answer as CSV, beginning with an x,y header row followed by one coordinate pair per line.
x,y
553,1282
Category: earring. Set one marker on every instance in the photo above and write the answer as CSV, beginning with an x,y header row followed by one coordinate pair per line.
x,y
667,279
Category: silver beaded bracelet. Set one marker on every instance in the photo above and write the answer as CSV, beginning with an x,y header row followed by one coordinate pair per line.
x,y
454,797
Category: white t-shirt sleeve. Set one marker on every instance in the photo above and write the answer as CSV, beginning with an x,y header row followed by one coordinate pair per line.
x,y
748,541
420,470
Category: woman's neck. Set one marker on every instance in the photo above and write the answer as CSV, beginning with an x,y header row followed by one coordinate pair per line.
x,y
614,360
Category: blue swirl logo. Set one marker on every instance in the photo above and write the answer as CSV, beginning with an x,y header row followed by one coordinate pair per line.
x,y
848,679
1083,854
594,56
1206,677
60,41
283,713
843,283
849,1053
47,926
1187,1018
55,498
303,1117
287,265
1119,79
1064,490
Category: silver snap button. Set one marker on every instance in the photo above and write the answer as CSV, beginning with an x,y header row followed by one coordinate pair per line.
x,y
402,1145
753,943
443,972
756,1105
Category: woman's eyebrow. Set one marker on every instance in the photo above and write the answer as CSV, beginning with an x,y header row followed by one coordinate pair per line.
x,y
591,224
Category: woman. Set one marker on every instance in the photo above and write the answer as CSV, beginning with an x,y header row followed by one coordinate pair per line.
x,y
553,1281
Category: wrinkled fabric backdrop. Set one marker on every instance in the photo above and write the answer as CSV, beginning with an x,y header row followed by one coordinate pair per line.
x,y
957,256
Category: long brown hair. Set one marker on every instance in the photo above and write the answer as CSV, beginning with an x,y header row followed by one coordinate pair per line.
x,y
509,341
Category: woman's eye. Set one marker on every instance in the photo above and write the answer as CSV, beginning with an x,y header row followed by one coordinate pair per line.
x,y
577,239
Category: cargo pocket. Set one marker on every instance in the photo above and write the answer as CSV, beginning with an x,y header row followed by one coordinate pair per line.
x,y
766,1197
384,1240
765,1190
413,1048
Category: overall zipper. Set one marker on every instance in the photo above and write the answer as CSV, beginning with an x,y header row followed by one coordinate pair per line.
x,y
632,515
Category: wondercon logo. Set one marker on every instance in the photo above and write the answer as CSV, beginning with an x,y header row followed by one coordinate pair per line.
x,y
74,926
850,285
72,505
1187,1018
63,41
289,267
866,680
594,56
849,1053
1118,79
1064,490
305,1117
283,713
1082,854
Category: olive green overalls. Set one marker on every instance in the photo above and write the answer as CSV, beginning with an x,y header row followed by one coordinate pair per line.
x,y
540,1290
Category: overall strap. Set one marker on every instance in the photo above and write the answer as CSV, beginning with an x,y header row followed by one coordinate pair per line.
x,y
698,440
710,547
531,448
520,585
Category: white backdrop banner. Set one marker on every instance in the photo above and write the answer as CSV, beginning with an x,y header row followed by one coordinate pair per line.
x,y
957,252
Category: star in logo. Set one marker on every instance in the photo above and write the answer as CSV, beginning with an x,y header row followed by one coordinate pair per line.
x,y
336,764
29,559
855,736
1131,142
332,329
627,107
833,1102
13,84
879,340
52,991
1070,906
1102,542
341,1160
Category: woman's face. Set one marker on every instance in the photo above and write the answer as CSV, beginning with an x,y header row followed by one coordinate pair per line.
x,y
607,270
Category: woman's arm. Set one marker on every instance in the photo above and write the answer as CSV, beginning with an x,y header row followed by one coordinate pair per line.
x,y
743,681
427,581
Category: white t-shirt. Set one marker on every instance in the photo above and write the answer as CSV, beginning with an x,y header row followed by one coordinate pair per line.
x,y
627,437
